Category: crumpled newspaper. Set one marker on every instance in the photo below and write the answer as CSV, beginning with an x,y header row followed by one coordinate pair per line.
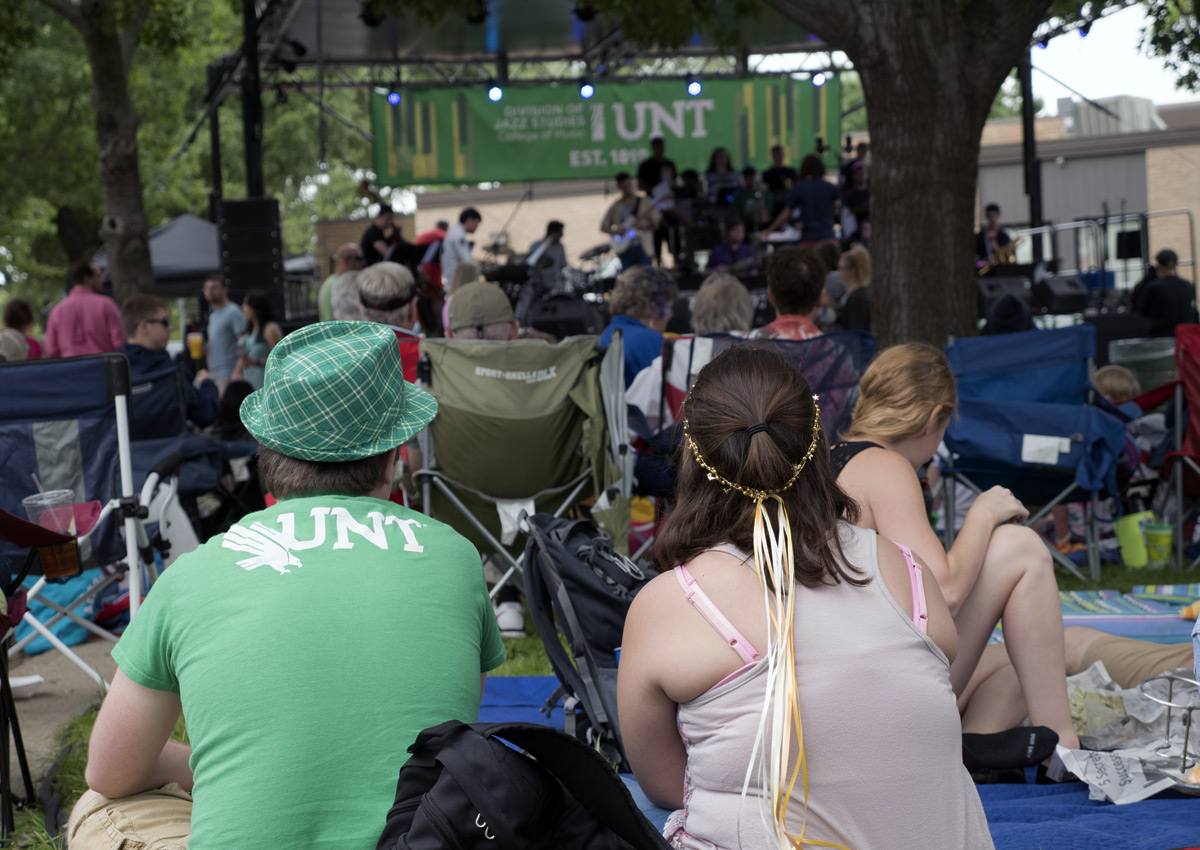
x,y
1129,754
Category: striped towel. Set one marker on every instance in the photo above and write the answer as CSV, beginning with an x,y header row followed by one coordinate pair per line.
x,y
1178,594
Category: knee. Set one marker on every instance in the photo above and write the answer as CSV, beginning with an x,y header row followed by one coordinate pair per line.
x,y
1021,548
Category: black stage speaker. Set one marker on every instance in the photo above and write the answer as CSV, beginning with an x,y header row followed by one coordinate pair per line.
x,y
1061,294
992,289
565,315
251,243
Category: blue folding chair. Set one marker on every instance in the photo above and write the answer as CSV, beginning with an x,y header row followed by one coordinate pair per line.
x,y
1025,422
66,421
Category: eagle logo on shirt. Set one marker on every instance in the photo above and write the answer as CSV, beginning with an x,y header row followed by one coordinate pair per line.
x,y
265,545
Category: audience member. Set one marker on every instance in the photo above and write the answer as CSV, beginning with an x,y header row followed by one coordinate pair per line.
x,y
631,220
387,295
994,569
228,426
795,281
466,272
779,179
815,198
854,267
13,346
271,693
225,324
455,247
751,203
344,298
722,306
760,543
481,310
991,237
861,158
348,257
641,304
261,335
18,316
1168,300
734,255
85,322
378,238
1008,314
856,200
148,327
835,289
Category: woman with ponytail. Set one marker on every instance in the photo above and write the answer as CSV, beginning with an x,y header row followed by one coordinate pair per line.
x,y
786,681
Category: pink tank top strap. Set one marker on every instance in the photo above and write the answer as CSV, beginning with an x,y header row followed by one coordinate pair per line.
x,y
720,623
920,613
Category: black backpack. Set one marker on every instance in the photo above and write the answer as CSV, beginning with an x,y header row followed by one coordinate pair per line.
x,y
577,585
464,788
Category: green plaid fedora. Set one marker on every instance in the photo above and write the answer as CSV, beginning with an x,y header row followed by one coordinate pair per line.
x,y
335,391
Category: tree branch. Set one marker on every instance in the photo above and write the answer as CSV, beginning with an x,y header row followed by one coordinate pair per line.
x,y
65,8
835,21
129,36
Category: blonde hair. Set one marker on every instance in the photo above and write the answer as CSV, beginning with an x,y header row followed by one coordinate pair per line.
x,y
722,306
900,390
1117,384
861,260
465,272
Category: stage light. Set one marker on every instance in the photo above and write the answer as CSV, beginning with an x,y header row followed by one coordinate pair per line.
x,y
1085,29
1041,45
585,11
818,79
693,87
586,90
495,93
394,98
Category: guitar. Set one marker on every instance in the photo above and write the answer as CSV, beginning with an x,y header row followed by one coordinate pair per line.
x,y
1002,256
620,242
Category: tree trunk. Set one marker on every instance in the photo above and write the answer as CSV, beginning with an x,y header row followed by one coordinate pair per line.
x,y
930,70
123,228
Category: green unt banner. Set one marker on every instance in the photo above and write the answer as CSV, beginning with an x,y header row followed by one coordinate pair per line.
x,y
551,133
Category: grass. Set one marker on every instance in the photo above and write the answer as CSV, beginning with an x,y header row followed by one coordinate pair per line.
x,y
1115,577
526,657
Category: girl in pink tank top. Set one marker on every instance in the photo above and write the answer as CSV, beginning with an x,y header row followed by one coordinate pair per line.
x,y
786,681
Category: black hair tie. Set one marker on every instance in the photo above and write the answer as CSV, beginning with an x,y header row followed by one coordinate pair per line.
x,y
756,428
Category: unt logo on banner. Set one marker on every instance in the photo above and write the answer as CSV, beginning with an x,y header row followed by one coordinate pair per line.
x,y
651,118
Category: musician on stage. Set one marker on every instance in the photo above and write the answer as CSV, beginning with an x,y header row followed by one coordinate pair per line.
x,y
456,247
631,222
547,257
992,238
734,255
379,237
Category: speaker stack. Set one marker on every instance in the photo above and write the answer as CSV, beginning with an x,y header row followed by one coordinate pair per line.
x,y
251,244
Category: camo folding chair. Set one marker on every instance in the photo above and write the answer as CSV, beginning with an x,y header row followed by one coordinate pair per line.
x,y
521,428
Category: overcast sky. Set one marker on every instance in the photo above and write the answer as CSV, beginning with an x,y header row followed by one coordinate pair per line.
x,y
1104,64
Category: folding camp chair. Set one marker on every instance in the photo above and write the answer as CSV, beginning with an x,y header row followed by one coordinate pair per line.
x,y
66,421
831,363
1024,422
520,429
1181,469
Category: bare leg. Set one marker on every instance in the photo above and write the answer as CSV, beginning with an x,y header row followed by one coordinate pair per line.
x,y
1017,584
992,700
1077,640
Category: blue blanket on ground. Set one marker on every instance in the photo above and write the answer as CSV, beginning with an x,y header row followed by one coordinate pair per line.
x,y
1021,817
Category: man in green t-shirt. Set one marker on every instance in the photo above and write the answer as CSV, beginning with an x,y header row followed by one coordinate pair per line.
x,y
307,646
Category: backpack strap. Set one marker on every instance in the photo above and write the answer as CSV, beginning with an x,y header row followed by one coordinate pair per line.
x,y
586,775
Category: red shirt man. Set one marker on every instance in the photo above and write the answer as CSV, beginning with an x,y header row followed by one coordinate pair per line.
x,y
86,322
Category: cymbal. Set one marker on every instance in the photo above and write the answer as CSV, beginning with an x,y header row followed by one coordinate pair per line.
x,y
598,251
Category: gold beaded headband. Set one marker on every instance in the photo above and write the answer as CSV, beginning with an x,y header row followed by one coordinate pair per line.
x,y
751,492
